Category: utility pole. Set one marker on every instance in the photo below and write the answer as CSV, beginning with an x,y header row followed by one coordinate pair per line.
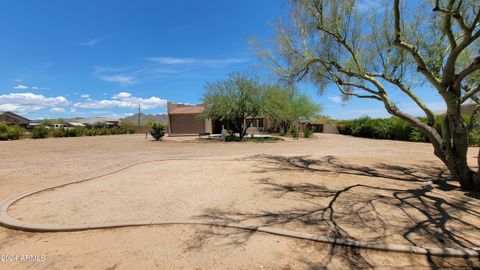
x,y
138,122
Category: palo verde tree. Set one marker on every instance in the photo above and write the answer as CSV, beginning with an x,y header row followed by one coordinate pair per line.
x,y
378,53
237,100
286,106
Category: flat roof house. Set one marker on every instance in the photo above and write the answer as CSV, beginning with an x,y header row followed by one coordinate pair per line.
x,y
185,120
14,119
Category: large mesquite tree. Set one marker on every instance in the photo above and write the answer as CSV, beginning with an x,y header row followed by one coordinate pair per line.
x,y
237,100
286,105
390,49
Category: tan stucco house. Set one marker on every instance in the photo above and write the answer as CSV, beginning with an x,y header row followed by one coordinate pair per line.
x,y
185,119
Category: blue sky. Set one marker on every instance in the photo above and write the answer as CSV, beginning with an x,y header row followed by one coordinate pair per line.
x,y
103,58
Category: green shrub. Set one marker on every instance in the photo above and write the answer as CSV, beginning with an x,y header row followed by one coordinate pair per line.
x,y
400,130
158,131
57,132
10,132
232,138
307,133
264,139
40,132
417,136
396,129
294,132
474,136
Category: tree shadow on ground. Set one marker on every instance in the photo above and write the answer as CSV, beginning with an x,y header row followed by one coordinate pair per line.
x,y
425,218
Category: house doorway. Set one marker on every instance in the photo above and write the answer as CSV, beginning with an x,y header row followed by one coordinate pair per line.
x,y
216,126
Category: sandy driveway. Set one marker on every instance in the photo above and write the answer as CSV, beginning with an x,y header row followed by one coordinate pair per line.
x,y
357,188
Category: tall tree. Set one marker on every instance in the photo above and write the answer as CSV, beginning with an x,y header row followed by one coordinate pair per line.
x,y
237,100
374,54
286,106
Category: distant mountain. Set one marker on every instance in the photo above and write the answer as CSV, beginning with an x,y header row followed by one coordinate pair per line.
x,y
145,118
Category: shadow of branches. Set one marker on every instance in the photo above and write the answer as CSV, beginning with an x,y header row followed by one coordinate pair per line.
x,y
373,213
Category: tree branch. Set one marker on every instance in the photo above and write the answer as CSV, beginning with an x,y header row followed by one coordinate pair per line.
x,y
421,66
412,95
470,94
347,93
447,21
474,66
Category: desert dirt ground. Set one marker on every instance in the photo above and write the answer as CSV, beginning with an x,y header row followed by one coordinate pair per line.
x,y
369,190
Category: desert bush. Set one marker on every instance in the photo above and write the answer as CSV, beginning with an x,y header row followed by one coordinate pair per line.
x,y
57,132
40,132
474,136
232,138
294,132
400,130
10,132
158,131
417,136
264,139
307,133
394,129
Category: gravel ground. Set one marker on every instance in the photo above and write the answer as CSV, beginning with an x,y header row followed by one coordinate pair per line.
x,y
367,190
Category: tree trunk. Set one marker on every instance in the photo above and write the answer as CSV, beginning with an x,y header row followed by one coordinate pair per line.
x,y
452,146
455,146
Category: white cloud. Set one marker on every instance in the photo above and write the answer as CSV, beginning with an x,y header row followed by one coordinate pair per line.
x,y
123,100
122,95
57,109
29,102
336,99
200,61
17,80
90,42
85,96
21,87
123,79
172,60
40,88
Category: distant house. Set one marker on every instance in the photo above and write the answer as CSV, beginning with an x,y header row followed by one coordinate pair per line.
x,y
91,122
468,109
14,119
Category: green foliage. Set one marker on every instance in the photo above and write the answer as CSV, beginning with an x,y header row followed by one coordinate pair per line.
x,y
474,137
417,136
98,130
307,133
100,125
10,132
68,132
40,132
323,119
158,131
393,129
241,97
294,132
388,128
49,122
232,138
234,100
286,106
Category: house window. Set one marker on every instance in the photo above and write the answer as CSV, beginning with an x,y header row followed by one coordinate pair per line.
x,y
254,123
260,122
